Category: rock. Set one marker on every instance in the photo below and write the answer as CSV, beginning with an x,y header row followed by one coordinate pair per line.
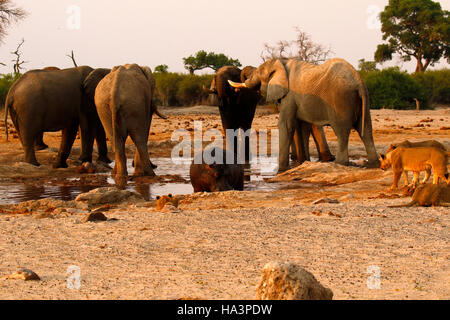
x,y
326,200
44,215
24,274
347,197
290,282
108,195
94,216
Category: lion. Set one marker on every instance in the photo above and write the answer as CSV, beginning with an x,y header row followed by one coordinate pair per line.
x,y
420,144
161,201
429,195
416,160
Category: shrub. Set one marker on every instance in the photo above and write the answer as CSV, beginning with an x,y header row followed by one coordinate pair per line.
x,y
6,81
393,89
435,85
175,89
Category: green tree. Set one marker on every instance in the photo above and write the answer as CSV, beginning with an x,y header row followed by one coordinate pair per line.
x,y
162,68
417,29
203,59
367,66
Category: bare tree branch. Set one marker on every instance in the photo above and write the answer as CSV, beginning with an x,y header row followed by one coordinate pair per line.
x,y
8,15
302,48
72,56
17,63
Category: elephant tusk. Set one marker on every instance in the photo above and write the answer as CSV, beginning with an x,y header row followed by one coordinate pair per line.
x,y
209,91
159,114
237,84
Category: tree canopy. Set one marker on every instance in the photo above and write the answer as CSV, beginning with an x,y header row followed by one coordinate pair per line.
x,y
203,59
302,48
162,68
417,29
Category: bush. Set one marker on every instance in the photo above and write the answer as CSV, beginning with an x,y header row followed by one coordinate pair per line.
x,y
6,81
393,89
175,89
435,85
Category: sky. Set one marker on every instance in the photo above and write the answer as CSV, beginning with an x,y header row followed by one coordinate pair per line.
x,y
105,33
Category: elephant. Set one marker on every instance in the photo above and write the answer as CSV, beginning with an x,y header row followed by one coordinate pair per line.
x,y
329,94
125,105
215,177
52,100
237,109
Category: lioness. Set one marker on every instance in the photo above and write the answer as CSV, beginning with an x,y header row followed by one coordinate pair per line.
x,y
416,160
420,144
429,195
163,200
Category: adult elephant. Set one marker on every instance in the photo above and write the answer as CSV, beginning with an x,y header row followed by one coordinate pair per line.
x,y
53,100
329,94
124,101
236,108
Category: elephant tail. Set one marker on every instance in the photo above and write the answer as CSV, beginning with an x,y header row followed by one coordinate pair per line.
x,y
365,105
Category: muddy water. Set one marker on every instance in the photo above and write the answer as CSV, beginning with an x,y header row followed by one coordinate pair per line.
x,y
255,175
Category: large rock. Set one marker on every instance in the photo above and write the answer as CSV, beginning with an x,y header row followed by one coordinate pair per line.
x,y
108,195
290,282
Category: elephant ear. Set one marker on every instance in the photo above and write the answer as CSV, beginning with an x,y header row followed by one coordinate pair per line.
x,y
247,73
92,80
149,75
278,84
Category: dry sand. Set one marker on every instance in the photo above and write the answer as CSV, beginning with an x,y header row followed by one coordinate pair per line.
x,y
217,244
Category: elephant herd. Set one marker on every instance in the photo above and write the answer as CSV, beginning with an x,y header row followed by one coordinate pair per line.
x,y
119,102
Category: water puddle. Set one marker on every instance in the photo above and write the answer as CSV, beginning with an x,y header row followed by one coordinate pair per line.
x,y
69,189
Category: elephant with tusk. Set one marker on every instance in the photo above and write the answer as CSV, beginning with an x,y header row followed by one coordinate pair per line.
x,y
329,94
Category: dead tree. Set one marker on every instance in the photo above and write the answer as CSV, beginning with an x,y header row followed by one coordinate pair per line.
x,y
8,15
17,63
302,48
72,56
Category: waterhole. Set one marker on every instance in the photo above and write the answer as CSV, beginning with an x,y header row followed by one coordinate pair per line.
x,y
69,188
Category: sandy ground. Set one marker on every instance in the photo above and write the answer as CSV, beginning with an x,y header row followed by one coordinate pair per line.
x,y
216,245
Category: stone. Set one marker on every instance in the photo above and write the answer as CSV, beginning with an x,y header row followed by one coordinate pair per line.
x,y
326,200
94,216
108,195
24,274
288,281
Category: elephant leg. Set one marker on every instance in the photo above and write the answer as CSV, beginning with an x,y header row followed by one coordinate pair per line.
x,y
372,155
87,140
28,147
287,124
68,138
102,147
143,166
367,139
342,134
305,133
39,143
321,144
120,169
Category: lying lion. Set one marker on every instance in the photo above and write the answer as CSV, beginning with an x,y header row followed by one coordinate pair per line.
x,y
416,159
161,201
429,195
